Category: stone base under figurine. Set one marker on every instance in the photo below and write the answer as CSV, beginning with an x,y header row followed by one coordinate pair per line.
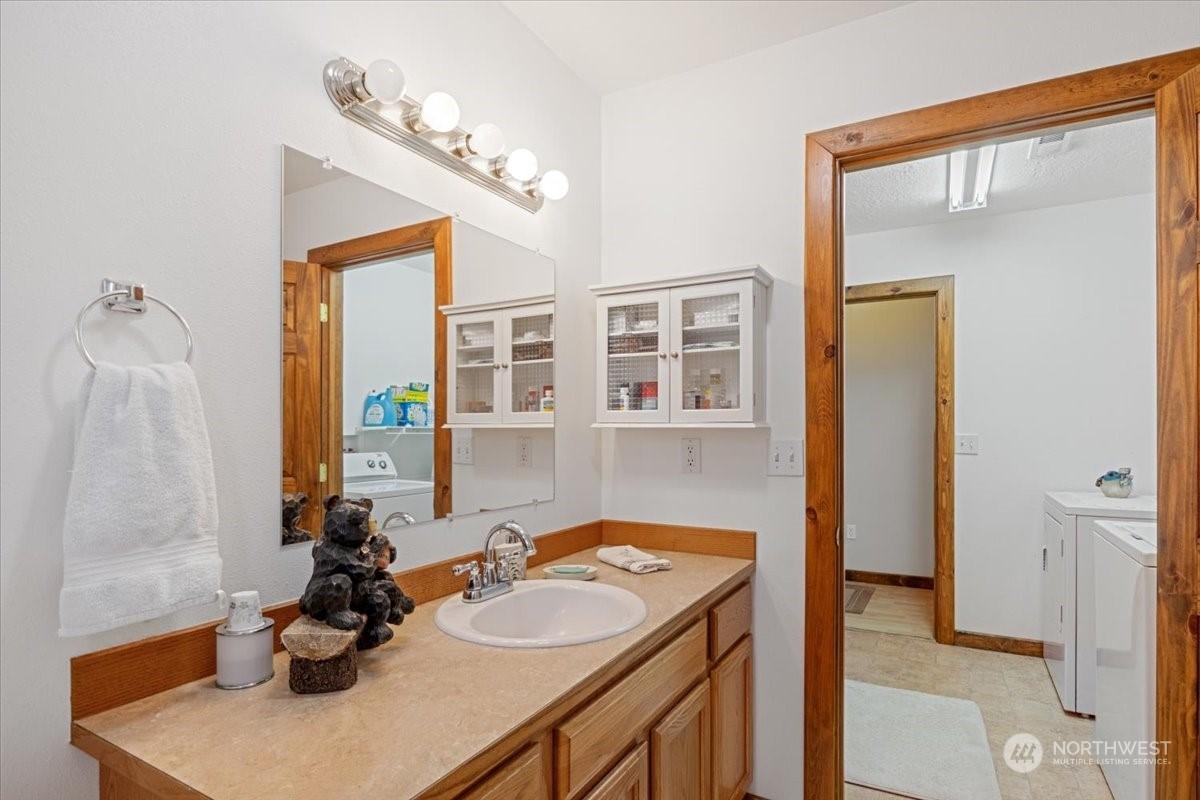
x,y
322,658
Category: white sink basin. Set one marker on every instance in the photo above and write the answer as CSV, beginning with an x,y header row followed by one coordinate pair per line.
x,y
543,613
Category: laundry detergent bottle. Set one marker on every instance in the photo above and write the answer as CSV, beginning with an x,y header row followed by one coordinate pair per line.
x,y
378,410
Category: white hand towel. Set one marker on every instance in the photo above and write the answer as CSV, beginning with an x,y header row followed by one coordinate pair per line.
x,y
140,533
629,557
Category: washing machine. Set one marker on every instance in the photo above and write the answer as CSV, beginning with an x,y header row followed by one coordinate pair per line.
x,y
1068,588
374,475
1125,564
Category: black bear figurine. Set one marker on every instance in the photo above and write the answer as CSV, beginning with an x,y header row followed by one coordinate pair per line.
x,y
293,509
350,586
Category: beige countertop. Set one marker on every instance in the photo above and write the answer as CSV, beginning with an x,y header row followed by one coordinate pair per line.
x,y
424,704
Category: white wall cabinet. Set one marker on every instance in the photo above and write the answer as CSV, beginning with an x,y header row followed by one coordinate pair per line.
x,y
687,352
500,364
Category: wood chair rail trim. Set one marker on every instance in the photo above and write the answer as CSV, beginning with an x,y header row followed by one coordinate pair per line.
x,y
1149,83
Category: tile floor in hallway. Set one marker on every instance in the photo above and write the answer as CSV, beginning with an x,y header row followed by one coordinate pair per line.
x,y
1013,692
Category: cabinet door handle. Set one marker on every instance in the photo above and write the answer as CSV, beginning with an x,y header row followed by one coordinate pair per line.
x,y
662,355
504,365
674,355
1043,559
496,367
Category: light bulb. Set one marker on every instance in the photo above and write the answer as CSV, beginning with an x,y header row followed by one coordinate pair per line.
x,y
440,112
521,164
554,185
486,141
384,81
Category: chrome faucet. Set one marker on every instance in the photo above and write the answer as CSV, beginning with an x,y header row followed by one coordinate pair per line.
x,y
499,571
404,516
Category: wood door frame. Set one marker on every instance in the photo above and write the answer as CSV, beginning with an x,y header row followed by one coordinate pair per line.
x,y
941,289
1070,100
435,235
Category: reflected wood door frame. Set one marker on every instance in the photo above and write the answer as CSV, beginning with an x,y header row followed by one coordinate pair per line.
x,y
434,235
1147,84
941,289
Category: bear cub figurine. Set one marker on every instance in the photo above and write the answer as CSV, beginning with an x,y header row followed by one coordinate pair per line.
x,y
350,585
293,509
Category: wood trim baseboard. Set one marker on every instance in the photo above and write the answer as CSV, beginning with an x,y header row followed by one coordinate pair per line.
x,y
998,644
680,538
889,579
122,674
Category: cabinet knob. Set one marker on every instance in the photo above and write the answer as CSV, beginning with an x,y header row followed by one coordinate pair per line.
x,y
675,355
662,355
496,367
504,365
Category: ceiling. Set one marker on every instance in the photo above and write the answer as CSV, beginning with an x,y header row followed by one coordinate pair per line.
x,y
1104,161
616,44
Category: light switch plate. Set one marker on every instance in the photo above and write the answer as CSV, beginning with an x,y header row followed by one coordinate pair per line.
x,y
786,457
464,451
689,455
968,444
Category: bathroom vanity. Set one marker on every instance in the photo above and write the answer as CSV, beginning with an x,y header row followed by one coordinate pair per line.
x,y
663,710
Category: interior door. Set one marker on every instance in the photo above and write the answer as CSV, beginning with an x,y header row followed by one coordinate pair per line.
x,y
1177,116
301,386
632,338
712,356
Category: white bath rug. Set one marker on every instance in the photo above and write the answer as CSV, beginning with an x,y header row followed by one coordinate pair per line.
x,y
918,745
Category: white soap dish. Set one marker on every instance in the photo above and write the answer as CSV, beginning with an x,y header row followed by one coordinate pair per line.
x,y
571,572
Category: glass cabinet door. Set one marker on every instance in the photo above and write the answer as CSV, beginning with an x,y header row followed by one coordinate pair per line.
x,y
632,342
474,354
528,375
711,359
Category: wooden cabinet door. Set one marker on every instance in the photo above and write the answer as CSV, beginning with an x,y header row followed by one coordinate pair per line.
x,y
680,750
301,387
732,688
525,777
628,780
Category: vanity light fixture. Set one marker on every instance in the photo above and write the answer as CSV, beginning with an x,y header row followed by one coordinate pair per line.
x,y
431,128
983,159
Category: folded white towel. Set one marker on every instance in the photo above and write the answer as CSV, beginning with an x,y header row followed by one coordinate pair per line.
x,y
140,533
629,557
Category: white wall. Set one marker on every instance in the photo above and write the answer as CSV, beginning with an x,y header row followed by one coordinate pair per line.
x,y
728,190
889,425
1054,370
387,332
142,141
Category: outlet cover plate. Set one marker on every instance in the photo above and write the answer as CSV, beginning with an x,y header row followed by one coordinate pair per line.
x,y
689,455
967,444
851,531
524,451
464,450
785,457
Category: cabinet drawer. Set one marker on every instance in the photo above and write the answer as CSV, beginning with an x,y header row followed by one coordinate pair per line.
x,y
589,741
728,621
524,777
629,780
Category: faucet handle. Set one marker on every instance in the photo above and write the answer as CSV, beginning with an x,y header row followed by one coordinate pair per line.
x,y
471,567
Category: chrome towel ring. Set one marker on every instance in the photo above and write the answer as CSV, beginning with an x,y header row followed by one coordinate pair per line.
x,y
128,298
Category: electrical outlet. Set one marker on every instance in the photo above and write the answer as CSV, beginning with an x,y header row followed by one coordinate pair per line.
x,y
464,451
524,451
786,457
968,444
851,531
690,456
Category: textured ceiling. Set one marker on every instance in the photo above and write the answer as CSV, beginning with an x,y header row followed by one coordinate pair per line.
x,y
615,44
1099,162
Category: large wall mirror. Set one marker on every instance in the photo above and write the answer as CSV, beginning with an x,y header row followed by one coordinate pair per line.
x,y
417,357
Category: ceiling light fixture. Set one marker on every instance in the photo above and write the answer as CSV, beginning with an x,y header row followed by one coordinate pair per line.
x,y
978,162
431,128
